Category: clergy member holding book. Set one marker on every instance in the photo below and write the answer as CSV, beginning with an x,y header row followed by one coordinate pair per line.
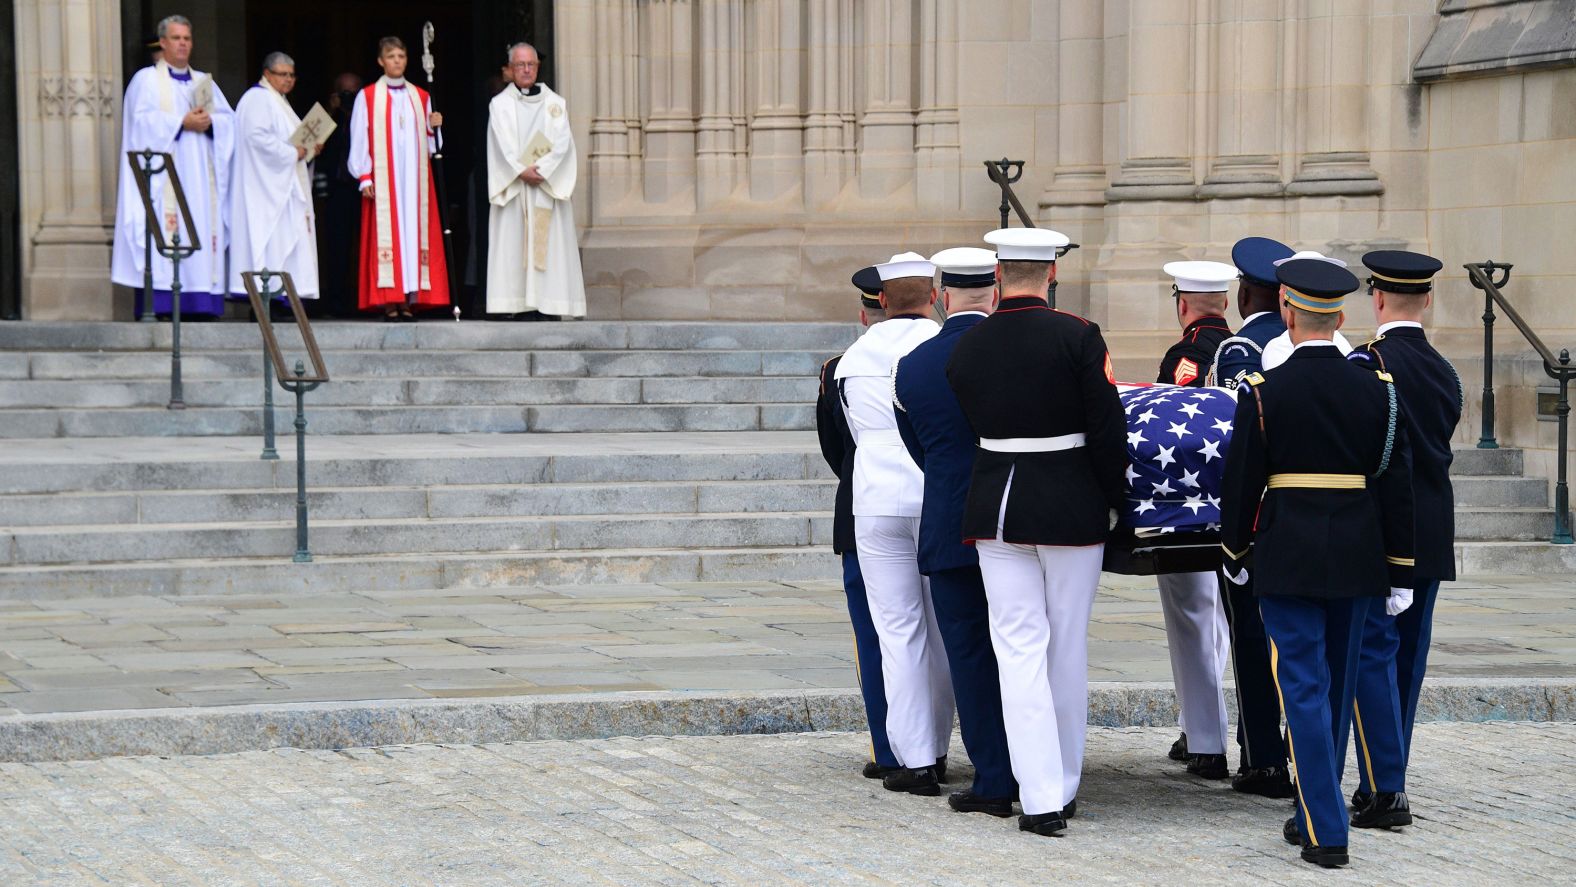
x,y
393,132
271,220
170,107
533,259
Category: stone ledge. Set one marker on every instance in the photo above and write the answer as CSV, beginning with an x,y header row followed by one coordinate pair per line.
x,y
332,725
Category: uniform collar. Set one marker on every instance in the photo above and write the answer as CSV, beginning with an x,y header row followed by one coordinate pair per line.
x,y
1396,325
979,314
1258,315
1018,303
1211,322
1316,348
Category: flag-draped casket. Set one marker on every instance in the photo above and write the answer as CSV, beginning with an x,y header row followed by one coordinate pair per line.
x,y
1176,446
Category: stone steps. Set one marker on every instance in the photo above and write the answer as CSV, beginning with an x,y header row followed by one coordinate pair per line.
x,y
403,501
158,421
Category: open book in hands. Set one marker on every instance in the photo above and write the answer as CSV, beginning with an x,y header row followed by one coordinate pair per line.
x,y
314,130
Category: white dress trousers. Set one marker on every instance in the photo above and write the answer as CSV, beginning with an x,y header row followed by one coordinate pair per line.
x,y
1199,643
1040,597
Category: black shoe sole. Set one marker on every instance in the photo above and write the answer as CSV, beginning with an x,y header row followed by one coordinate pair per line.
x,y
1326,857
928,791
1394,819
989,806
1052,828
1279,792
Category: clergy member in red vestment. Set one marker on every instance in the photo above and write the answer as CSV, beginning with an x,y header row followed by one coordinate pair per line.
x,y
392,137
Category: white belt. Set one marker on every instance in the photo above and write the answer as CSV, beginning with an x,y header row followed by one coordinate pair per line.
x,y
1032,444
880,438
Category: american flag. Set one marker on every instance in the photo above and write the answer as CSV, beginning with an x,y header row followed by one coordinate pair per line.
x,y
1176,449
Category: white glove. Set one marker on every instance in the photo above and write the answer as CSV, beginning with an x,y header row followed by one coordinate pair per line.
x,y
1398,601
1240,579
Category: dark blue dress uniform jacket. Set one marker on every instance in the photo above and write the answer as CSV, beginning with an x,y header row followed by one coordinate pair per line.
x,y
937,435
1431,395
837,446
1032,371
1323,415
1234,359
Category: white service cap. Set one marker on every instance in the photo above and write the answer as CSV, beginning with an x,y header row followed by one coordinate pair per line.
x,y
1309,254
1027,244
906,265
965,260
1202,277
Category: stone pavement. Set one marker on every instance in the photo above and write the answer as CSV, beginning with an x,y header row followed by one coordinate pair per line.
x,y
752,810
119,653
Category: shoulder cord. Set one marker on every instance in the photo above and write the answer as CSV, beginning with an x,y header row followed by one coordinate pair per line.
x,y
1213,376
1461,391
895,402
1389,435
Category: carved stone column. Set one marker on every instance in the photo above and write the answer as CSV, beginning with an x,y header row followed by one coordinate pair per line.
x,y
828,130
777,132
720,133
667,28
1079,177
1332,106
1247,123
615,134
937,148
886,128
68,96
1157,156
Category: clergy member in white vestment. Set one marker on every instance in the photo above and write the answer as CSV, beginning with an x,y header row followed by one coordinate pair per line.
x,y
393,133
533,260
271,221
889,490
160,113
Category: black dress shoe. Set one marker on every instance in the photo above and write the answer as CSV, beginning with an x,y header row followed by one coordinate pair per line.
x,y
1179,749
1386,810
1291,833
1072,809
941,769
919,781
1208,766
969,802
877,771
1361,799
1326,857
1048,824
1269,782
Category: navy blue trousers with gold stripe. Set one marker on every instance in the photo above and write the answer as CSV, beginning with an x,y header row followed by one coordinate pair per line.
x,y
1314,646
1389,681
867,660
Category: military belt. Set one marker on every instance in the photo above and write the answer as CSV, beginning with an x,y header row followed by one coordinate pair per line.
x,y
1318,482
1032,444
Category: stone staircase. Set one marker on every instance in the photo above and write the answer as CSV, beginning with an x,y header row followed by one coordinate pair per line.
x,y
681,456
112,380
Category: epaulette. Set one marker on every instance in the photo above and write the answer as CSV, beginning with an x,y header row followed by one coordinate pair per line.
x,y
1253,379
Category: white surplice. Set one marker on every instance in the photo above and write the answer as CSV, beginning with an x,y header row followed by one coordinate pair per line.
x,y
533,260
154,106
406,159
271,220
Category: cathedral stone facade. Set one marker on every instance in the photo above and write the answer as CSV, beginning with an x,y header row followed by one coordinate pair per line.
x,y
742,157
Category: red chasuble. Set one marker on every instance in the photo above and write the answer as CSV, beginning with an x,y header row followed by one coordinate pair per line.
x,y
383,263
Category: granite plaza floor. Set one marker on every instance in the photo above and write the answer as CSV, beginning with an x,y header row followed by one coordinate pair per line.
x,y
90,654
1492,802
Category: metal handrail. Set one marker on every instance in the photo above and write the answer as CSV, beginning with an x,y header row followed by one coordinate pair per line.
x,y
1004,173
1489,276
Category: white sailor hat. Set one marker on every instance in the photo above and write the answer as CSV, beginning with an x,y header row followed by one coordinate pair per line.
x,y
1309,254
1201,277
1026,244
966,266
905,265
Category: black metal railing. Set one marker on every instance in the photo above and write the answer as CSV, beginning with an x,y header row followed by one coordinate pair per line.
x,y
1489,277
1005,173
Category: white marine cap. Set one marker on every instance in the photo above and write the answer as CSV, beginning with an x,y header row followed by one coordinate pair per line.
x,y
1309,254
966,266
1027,244
1201,277
906,265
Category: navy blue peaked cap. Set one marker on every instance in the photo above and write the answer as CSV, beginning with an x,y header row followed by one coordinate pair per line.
x,y
1401,271
1317,286
868,280
1255,257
